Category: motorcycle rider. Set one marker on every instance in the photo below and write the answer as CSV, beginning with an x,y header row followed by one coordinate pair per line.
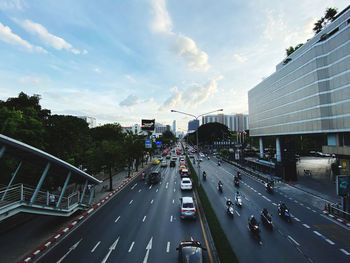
x,y
228,203
252,221
283,208
143,175
204,174
220,184
237,195
265,212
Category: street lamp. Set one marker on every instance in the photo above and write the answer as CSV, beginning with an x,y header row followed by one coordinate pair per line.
x,y
196,118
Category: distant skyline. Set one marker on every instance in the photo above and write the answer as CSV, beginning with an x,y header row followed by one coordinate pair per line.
x,y
123,61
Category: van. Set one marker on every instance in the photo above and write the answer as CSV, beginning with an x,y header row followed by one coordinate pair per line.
x,y
154,177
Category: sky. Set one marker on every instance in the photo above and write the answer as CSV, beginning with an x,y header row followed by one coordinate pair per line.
x,y
127,60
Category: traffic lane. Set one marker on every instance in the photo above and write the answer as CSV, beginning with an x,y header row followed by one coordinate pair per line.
x,y
238,227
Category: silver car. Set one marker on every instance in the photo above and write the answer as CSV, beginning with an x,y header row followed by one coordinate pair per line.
x,y
188,208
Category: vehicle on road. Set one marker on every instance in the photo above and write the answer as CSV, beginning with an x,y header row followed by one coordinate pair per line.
x,y
239,175
156,161
184,173
204,176
230,209
220,186
172,163
168,156
266,218
238,200
188,209
190,252
236,181
186,184
253,227
269,187
154,177
164,164
283,212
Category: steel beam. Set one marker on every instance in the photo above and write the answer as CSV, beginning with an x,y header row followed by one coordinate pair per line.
x,y
10,183
42,178
63,189
83,193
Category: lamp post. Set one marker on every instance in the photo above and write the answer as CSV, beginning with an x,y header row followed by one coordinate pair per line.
x,y
196,118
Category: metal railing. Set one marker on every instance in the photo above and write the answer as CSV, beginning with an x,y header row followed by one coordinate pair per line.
x,y
22,193
336,211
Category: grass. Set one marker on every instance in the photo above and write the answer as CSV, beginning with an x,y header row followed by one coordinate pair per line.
x,y
223,247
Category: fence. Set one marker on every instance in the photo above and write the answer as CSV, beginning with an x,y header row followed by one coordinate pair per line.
x,y
334,210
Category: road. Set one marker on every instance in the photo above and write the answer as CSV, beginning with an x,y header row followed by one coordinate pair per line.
x,y
141,223
310,237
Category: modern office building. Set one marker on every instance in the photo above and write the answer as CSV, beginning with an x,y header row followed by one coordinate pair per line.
x,y
193,125
235,122
174,127
309,93
91,121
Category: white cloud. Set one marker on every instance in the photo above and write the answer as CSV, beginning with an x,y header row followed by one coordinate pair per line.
x,y
129,101
192,96
49,39
274,27
182,45
97,70
6,35
11,4
162,22
240,58
34,81
131,79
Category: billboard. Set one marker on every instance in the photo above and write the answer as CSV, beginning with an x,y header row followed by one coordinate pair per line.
x,y
343,185
147,125
148,144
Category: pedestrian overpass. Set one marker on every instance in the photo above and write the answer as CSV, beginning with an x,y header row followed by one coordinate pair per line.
x,y
74,190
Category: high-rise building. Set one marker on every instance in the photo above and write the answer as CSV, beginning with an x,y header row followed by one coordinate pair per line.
x,y
91,121
236,122
193,125
174,127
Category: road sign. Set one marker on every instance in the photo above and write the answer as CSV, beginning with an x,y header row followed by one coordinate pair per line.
x,y
148,144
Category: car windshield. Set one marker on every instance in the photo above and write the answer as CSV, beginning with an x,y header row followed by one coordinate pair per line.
x,y
191,254
188,205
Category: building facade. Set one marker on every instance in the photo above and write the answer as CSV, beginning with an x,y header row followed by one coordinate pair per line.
x,y
235,122
174,127
193,125
310,91
91,121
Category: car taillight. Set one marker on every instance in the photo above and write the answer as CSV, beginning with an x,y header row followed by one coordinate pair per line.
x,y
182,210
182,185
190,185
194,210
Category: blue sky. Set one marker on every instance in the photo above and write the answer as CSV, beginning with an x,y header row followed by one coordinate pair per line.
x,y
121,61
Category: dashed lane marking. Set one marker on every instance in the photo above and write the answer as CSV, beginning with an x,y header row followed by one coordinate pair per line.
x,y
314,211
132,188
344,251
317,233
157,190
340,220
305,225
295,242
144,218
330,241
166,186
152,201
174,190
237,213
92,250
168,247
140,190
267,199
297,219
171,218
132,245
259,193
150,186
131,202
173,201
274,204
117,219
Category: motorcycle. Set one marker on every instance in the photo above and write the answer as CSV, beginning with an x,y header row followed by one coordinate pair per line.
x,y
254,229
230,211
239,175
204,176
269,188
220,188
238,201
143,176
236,182
219,164
266,219
285,214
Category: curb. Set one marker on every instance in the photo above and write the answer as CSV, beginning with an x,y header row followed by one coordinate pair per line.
x,y
71,225
339,219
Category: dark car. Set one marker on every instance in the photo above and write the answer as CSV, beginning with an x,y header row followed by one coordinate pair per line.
x,y
172,163
154,177
190,252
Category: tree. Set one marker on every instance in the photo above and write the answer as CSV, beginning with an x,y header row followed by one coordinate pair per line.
x,y
330,14
318,26
291,49
329,17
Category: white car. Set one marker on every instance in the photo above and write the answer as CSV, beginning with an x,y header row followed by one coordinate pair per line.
x,y
188,209
164,164
186,184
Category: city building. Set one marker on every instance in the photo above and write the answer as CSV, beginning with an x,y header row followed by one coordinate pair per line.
x,y
309,93
235,122
174,127
136,129
91,121
193,125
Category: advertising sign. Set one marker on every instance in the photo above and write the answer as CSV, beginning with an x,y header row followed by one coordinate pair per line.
x,y
343,185
147,125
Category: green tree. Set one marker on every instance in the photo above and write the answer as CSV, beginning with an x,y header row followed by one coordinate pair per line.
x,y
330,14
291,49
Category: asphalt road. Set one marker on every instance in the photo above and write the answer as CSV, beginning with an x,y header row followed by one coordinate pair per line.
x,y
139,224
310,237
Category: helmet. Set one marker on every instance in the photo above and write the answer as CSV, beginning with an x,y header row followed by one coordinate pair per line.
x,y
237,193
228,200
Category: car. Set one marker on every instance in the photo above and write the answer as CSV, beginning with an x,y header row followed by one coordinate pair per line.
x,y
172,163
156,161
168,156
184,173
160,158
154,177
188,209
164,164
186,184
190,251
182,166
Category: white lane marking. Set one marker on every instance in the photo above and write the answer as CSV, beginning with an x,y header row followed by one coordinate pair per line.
x,y
259,193
237,213
308,208
152,201
148,248
297,219
173,201
313,211
340,220
117,219
267,199
131,246
296,201
131,202
330,241
301,204
191,238
150,186
92,250
140,190
110,250
144,218
171,219
344,251
348,224
132,188
174,190
290,198
166,185
157,190
274,203
295,242
331,215
70,250
168,247
317,233
305,225
255,190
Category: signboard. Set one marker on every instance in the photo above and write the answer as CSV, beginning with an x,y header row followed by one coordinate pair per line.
x,y
147,125
159,144
148,144
343,185
237,156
